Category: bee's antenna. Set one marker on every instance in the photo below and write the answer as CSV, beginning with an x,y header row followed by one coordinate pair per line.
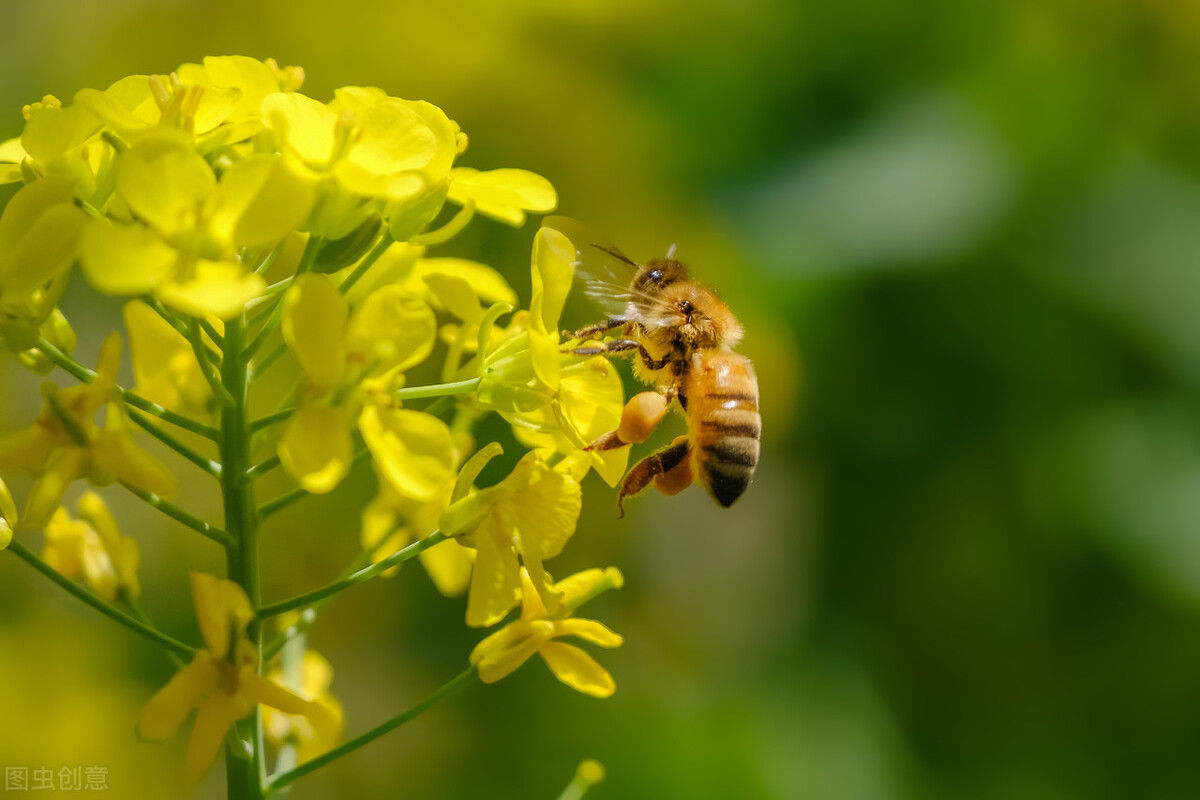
x,y
671,251
615,253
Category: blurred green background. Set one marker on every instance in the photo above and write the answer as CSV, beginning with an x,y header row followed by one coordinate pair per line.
x,y
963,240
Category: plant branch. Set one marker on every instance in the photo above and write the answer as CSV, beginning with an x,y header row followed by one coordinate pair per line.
x,y
82,373
368,261
445,690
151,633
206,464
362,575
436,390
179,515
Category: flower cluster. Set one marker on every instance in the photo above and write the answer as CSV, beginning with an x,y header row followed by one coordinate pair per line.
x,y
248,224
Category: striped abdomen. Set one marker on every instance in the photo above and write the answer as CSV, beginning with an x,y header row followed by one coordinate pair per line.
x,y
723,423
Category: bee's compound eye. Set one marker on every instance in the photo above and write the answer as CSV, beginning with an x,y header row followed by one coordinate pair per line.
x,y
656,275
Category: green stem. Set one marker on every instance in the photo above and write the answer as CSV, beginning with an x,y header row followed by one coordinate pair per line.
x,y
206,464
271,419
262,468
153,634
209,369
179,515
436,390
264,363
365,574
279,503
85,375
309,615
369,261
442,692
245,768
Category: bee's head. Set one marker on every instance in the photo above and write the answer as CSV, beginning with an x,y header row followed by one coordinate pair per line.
x,y
657,274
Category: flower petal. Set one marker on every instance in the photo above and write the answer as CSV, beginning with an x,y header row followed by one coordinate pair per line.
x,y
214,718
124,259
589,630
166,710
500,654
314,327
393,329
165,182
577,669
503,194
218,288
316,447
221,606
413,450
495,581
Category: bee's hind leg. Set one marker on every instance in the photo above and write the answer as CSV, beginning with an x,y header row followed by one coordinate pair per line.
x,y
640,417
669,468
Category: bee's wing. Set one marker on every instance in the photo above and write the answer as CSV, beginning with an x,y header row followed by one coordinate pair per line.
x,y
605,272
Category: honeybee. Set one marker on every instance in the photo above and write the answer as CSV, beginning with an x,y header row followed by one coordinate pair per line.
x,y
682,337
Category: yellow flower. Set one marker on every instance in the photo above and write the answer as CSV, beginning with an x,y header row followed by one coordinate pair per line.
x,y
312,684
536,630
529,516
550,399
391,332
58,141
503,194
66,443
399,516
216,101
164,363
8,515
369,154
222,682
177,229
39,230
92,548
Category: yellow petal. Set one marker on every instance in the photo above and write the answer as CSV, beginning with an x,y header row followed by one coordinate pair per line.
x,y
503,194
589,630
218,288
500,654
165,182
304,124
574,588
165,368
486,282
495,581
316,447
66,466
50,132
392,330
253,78
8,509
116,453
413,450
456,294
546,510
262,199
125,259
221,608
314,326
213,719
577,669
166,710
449,566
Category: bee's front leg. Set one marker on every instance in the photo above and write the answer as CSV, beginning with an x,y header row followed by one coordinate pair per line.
x,y
620,346
592,331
